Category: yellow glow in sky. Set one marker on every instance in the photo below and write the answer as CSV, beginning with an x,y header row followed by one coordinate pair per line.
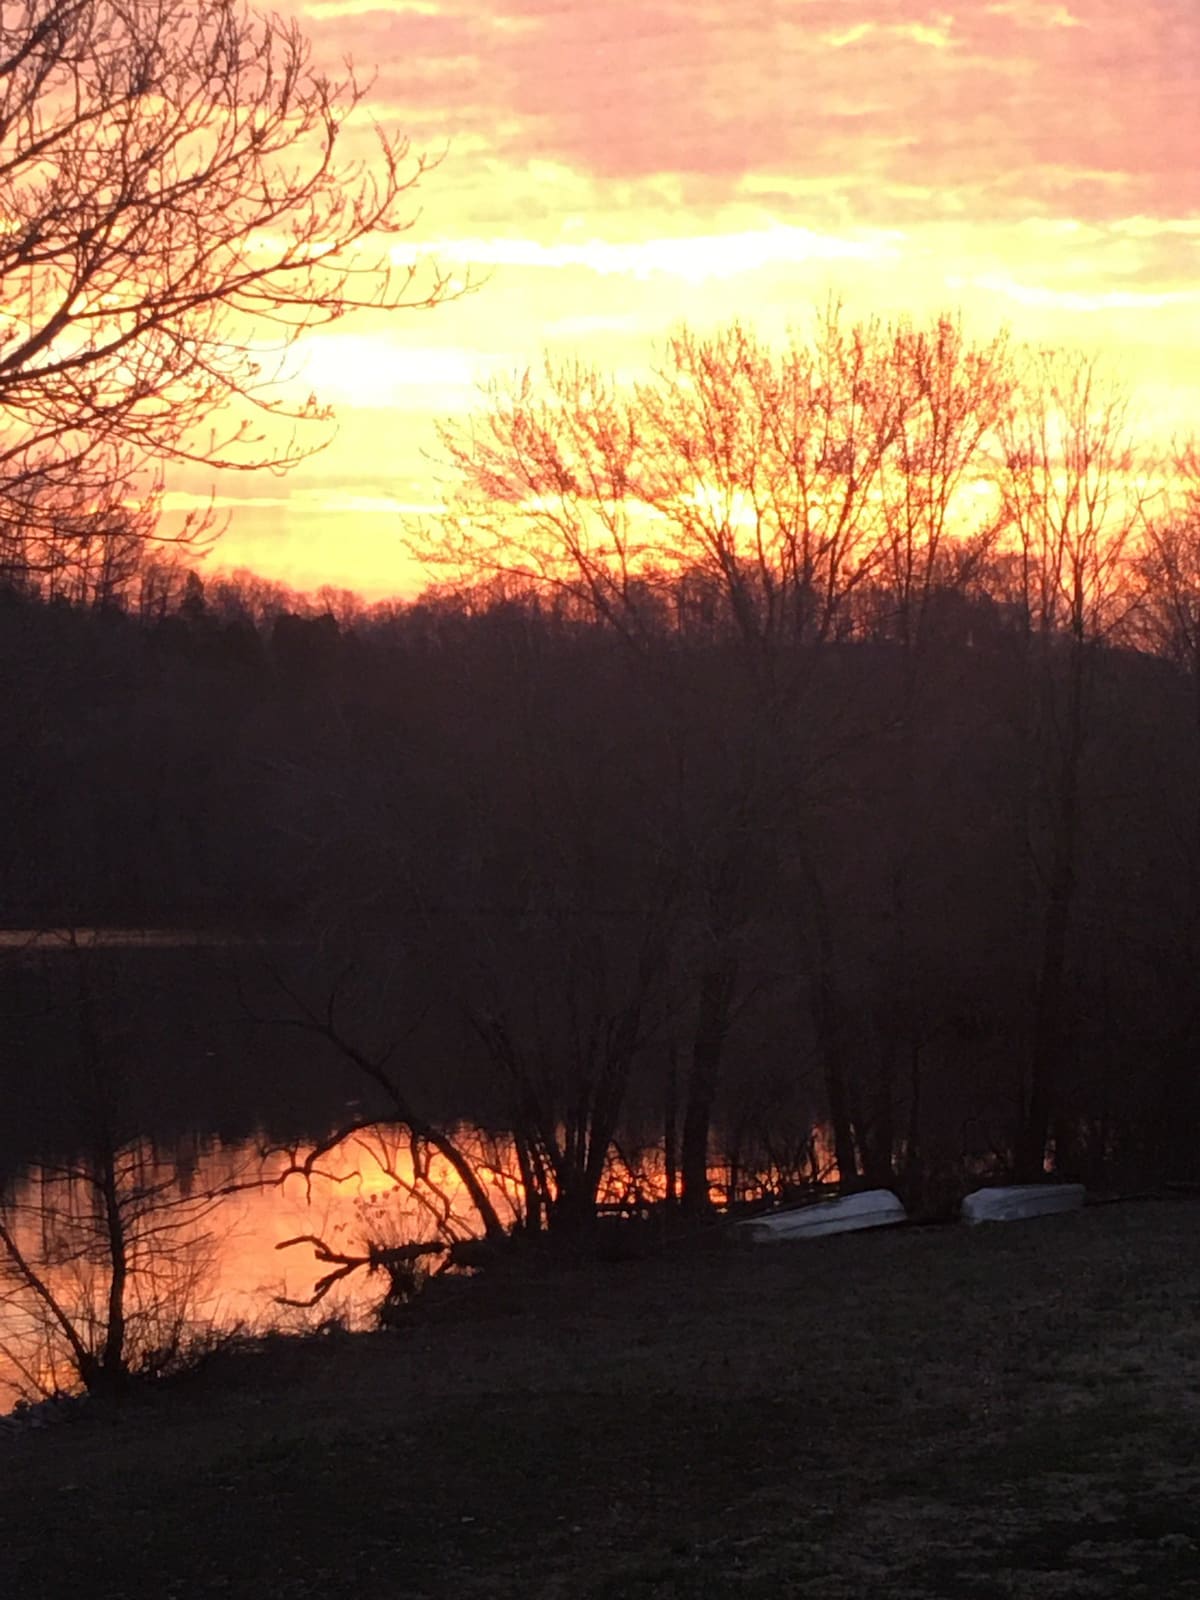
x,y
614,169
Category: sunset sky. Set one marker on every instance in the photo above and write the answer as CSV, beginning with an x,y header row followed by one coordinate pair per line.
x,y
613,168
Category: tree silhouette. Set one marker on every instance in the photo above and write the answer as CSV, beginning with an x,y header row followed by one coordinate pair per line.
x,y
765,492
179,207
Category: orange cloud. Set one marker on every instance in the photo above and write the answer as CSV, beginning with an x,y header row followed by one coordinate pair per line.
x,y
614,168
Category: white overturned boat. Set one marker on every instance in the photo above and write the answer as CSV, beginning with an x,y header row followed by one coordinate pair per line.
x,y
1015,1202
876,1208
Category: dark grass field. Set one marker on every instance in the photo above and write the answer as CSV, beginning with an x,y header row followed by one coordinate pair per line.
x,y
969,1414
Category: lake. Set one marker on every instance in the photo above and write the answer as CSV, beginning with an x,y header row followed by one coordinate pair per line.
x,y
209,1235
187,1050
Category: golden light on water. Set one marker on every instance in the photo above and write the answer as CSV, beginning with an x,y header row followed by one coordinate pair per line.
x,y
225,1259
232,1210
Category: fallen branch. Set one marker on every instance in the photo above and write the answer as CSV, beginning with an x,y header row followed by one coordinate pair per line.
x,y
375,1259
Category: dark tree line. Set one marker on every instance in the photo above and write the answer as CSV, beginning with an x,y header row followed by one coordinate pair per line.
x,y
794,776
936,900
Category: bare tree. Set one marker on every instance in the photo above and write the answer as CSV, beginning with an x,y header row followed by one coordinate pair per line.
x,y
102,1252
1075,489
564,1047
941,518
761,491
180,204
746,470
1167,570
102,1269
425,1134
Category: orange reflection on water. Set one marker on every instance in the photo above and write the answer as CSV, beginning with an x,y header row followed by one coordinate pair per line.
x,y
208,1245
238,1236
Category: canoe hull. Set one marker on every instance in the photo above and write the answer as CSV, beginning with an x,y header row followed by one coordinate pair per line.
x,y
1019,1201
877,1208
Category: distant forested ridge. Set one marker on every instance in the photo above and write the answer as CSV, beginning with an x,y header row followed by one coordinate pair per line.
x,y
575,871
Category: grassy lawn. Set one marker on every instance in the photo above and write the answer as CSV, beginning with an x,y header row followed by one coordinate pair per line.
x,y
1006,1411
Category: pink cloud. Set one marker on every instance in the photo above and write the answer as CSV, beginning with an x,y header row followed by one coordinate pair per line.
x,y
987,105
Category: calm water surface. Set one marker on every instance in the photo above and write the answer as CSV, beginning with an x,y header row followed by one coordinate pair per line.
x,y
235,1208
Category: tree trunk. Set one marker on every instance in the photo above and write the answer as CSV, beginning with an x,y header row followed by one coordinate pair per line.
x,y
1049,1032
461,1164
529,1182
714,1016
406,1113
912,1153
827,1025
828,1028
112,1361
671,1130
881,1170
107,1369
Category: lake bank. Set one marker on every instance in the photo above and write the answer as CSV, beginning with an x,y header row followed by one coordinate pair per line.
x,y
997,1411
